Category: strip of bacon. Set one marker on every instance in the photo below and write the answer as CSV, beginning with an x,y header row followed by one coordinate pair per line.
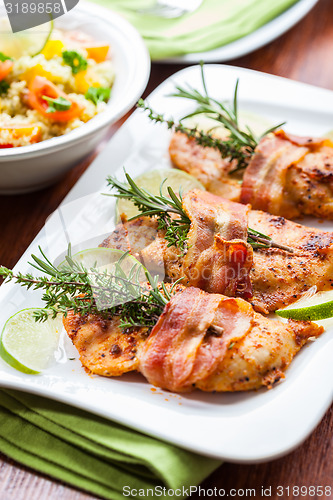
x,y
176,356
265,182
218,259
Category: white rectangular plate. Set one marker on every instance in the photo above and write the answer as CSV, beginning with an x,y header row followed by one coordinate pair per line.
x,y
249,427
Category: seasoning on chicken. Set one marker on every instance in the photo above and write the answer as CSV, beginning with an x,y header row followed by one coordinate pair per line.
x,y
279,278
103,347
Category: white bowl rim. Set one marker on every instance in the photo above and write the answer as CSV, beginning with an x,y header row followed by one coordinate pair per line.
x,y
113,112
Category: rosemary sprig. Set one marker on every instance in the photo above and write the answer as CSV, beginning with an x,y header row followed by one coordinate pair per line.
x,y
151,205
161,207
95,292
240,144
141,310
226,148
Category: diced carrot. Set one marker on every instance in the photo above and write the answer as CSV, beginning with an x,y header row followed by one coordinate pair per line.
x,y
5,68
40,87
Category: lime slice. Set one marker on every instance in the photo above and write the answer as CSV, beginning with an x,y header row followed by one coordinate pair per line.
x,y
27,345
151,181
45,40
25,43
258,124
310,308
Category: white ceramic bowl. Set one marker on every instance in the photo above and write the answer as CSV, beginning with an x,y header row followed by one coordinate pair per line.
x,y
29,168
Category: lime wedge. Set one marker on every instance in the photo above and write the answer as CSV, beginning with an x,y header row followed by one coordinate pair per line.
x,y
27,345
313,308
25,43
151,181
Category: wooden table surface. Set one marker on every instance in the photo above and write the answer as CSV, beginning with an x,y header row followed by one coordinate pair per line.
x,y
305,53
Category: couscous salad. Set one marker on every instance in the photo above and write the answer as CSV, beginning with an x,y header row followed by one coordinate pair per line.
x,y
51,91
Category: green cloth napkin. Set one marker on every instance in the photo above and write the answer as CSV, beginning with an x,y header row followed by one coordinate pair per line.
x,y
92,453
214,24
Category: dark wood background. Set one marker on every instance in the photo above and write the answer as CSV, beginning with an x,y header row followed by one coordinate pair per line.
x,y
305,54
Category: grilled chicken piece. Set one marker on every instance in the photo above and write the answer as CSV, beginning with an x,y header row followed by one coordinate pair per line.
x,y
291,176
277,278
202,340
206,164
287,176
104,349
216,343
261,357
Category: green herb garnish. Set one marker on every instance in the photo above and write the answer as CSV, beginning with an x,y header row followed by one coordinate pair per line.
x,y
4,86
160,206
74,288
75,60
98,94
176,228
3,57
240,144
91,291
58,104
